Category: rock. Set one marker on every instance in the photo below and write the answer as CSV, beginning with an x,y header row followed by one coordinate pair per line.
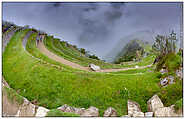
x,y
41,112
133,108
66,108
138,114
163,71
125,116
164,82
179,73
149,114
154,103
94,67
171,79
110,112
27,109
91,112
165,112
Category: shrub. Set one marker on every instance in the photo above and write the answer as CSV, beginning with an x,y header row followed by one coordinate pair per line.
x,y
171,93
179,104
94,57
172,62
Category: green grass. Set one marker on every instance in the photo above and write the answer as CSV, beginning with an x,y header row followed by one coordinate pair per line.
x,y
52,87
179,104
170,94
58,113
172,61
59,48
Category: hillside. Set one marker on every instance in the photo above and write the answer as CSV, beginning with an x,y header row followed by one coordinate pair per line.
x,y
49,83
134,50
140,35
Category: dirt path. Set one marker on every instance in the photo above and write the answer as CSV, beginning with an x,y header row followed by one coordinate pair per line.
x,y
51,55
7,36
123,69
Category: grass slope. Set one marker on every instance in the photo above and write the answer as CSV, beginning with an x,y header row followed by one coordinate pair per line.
x,y
59,48
52,87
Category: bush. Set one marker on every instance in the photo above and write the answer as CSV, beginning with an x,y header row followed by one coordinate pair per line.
x,y
58,113
171,61
94,57
171,93
179,104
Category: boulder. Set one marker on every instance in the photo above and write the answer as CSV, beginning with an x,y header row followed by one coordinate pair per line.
x,y
66,108
132,108
154,103
165,112
179,73
94,67
41,112
163,71
164,82
91,112
27,109
110,112
149,114
138,114
171,79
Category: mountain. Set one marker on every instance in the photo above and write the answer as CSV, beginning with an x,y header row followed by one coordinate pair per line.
x,y
144,36
134,49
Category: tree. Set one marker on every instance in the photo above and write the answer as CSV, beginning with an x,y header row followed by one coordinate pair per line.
x,y
82,50
164,45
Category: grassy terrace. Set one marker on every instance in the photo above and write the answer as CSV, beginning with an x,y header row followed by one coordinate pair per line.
x,y
52,87
59,48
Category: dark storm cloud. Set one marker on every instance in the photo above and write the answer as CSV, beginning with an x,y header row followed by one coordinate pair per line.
x,y
98,27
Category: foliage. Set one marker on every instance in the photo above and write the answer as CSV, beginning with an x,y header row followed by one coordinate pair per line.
x,y
179,104
82,50
58,113
165,44
171,93
94,57
171,61
132,50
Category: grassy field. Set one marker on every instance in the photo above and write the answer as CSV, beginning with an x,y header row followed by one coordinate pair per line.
x,y
59,48
52,87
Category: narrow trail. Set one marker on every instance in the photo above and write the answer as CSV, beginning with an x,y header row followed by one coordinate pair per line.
x,y
57,58
51,55
6,37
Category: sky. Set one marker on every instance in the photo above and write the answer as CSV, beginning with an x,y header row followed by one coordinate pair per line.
x,y
97,27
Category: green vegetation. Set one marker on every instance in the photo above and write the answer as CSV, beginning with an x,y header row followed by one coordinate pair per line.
x,y
179,104
58,47
171,61
58,113
12,95
133,50
170,94
52,87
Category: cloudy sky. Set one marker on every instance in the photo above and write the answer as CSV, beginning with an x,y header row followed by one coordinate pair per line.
x,y
98,27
